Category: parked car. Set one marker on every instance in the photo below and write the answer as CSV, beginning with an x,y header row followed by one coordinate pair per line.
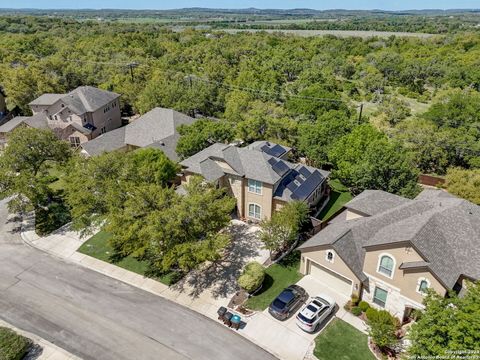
x,y
287,302
315,312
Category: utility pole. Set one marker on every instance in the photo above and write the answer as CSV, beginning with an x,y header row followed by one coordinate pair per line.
x,y
132,66
360,114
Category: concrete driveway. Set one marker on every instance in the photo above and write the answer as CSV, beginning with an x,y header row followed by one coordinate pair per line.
x,y
284,338
217,282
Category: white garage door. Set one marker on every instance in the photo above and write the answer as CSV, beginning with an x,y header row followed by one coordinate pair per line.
x,y
336,282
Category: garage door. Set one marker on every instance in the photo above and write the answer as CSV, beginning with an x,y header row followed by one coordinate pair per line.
x,y
336,282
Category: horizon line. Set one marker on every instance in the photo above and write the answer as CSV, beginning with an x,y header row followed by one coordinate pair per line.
x,y
247,8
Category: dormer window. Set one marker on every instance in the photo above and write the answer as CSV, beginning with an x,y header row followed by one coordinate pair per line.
x,y
329,256
386,265
422,286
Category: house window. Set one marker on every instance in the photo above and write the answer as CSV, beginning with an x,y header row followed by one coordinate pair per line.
x,y
385,265
254,211
63,105
74,141
423,285
103,130
254,186
380,297
55,117
329,256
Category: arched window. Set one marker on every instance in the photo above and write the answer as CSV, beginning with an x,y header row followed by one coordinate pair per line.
x,y
423,285
329,256
385,265
254,211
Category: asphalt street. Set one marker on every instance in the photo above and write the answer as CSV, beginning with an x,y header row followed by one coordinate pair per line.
x,y
96,317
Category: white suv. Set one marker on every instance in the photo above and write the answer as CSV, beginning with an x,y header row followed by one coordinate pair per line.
x,y
315,312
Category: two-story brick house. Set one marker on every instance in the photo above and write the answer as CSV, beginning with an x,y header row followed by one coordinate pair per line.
x,y
260,182
389,250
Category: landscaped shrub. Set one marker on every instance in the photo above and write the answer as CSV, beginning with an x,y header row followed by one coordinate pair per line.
x,y
12,345
382,328
371,312
356,311
252,277
363,305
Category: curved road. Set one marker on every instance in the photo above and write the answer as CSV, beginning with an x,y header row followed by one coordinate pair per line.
x,y
96,317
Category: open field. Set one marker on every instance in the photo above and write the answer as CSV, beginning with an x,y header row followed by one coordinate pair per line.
x,y
339,33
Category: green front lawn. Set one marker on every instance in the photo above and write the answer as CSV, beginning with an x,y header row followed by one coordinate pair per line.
x,y
339,196
277,277
98,247
341,341
12,345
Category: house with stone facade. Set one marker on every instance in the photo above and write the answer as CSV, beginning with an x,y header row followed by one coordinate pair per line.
x,y
258,176
389,250
77,117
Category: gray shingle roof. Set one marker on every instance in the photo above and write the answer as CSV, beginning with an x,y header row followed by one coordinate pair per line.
x,y
245,162
12,124
444,229
37,121
371,202
157,128
81,100
47,99
258,165
110,141
155,125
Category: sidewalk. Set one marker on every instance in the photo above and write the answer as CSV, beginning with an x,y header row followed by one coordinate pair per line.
x,y
49,350
63,244
283,342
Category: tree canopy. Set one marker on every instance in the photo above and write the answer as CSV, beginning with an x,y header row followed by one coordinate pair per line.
x,y
464,183
25,165
447,324
201,134
367,159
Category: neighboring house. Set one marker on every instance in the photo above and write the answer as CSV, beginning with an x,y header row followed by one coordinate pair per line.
x,y
81,115
389,250
77,117
157,128
260,182
37,122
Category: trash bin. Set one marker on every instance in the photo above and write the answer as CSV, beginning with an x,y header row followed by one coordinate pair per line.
x,y
227,317
236,320
221,311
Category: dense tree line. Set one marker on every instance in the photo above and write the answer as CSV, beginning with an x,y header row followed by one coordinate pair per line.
x,y
302,92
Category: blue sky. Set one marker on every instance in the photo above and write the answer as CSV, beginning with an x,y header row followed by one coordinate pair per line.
x,y
272,4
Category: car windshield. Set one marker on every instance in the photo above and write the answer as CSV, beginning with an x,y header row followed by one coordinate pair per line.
x,y
279,304
305,319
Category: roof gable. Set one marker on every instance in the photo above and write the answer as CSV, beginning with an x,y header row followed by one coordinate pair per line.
x,y
444,229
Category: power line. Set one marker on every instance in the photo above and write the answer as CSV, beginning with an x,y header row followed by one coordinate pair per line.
x,y
132,64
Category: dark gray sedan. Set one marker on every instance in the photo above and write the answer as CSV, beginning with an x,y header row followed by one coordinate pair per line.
x,y
289,300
